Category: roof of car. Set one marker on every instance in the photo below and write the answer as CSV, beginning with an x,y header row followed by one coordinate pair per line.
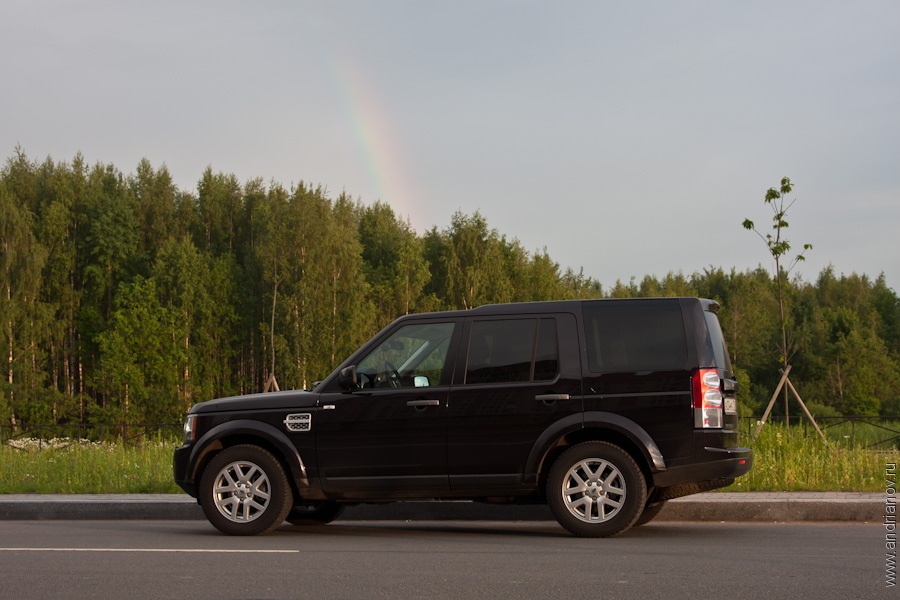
x,y
514,308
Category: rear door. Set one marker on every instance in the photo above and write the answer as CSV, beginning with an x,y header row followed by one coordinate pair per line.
x,y
640,366
517,380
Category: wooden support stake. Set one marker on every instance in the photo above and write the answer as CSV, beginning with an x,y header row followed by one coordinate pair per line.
x,y
805,410
785,381
772,401
270,383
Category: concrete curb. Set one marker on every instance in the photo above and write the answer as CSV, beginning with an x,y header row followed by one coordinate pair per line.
x,y
713,506
777,507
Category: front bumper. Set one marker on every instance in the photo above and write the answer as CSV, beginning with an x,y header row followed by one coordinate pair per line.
x,y
180,464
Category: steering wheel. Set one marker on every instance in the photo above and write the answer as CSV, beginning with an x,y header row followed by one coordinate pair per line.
x,y
393,376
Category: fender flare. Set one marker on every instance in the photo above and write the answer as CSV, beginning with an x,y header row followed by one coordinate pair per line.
x,y
211,441
599,419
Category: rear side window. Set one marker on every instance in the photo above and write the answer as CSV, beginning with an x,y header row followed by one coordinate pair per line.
x,y
546,359
720,350
512,350
634,335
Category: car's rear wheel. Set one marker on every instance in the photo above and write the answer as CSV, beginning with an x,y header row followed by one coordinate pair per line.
x,y
319,513
244,491
596,489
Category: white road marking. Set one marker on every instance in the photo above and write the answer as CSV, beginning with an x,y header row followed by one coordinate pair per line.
x,y
185,550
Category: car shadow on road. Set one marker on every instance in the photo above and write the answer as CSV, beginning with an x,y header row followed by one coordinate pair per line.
x,y
524,529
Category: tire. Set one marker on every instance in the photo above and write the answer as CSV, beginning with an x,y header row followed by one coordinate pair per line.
x,y
650,513
319,513
244,491
596,489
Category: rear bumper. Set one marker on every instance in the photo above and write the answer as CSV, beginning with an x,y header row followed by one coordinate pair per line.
x,y
715,463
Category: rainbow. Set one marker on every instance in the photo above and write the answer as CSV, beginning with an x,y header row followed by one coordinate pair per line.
x,y
375,141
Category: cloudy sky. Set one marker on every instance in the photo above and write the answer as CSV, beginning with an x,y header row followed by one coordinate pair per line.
x,y
627,138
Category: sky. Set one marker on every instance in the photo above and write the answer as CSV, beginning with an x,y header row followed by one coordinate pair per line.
x,y
624,138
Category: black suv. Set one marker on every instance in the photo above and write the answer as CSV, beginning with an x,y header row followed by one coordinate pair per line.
x,y
604,409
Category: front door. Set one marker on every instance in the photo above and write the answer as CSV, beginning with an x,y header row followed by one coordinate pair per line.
x,y
389,434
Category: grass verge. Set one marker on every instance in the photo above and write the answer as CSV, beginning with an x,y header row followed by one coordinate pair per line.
x,y
789,459
785,459
82,467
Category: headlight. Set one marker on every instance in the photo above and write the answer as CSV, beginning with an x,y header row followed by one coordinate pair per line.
x,y
189,433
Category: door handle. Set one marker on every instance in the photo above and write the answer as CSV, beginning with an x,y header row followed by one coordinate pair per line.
x,y
423,403
551,397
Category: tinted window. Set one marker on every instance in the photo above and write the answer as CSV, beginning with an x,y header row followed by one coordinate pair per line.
x,y
723,361
634,335
512,350
546,360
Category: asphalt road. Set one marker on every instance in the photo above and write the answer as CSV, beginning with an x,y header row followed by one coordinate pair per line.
x,y
395,559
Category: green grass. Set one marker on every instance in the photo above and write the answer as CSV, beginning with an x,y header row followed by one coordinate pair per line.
x,y
81,467
785,459
880,435
789,459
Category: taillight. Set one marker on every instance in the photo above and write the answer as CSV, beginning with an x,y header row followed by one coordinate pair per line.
x,y
708,400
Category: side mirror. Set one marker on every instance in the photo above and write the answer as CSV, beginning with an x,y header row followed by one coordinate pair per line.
x,y
347,378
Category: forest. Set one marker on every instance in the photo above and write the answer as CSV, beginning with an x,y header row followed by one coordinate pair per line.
x,y
127,300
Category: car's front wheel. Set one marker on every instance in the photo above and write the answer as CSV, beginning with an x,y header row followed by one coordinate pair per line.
x,y
596,489
244,491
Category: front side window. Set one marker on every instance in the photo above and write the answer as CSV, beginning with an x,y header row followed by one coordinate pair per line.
x,y
413,356
508,351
